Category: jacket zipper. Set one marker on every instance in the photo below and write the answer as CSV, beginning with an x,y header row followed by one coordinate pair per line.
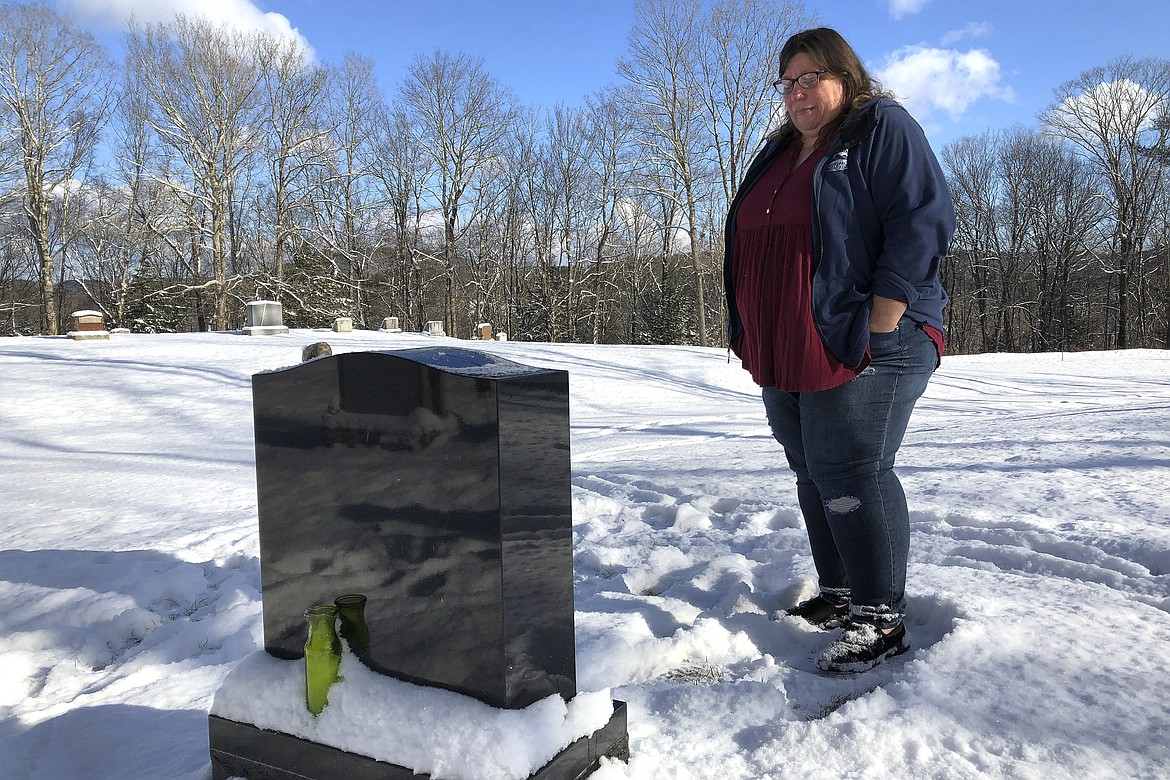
x,y
818,244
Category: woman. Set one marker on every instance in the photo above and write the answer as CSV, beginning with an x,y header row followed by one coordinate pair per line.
x,y
834,241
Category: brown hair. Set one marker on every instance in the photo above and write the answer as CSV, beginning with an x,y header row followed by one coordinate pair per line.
x,y
829,50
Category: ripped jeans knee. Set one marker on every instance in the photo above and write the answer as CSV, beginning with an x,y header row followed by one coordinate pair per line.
x,y
842,505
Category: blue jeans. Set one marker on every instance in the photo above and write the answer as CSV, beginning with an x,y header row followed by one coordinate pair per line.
x,y
841,443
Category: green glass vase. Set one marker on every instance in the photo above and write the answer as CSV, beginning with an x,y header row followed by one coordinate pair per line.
x,y
322,656
352,611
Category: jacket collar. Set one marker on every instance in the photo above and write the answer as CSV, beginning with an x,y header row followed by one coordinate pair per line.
x,y
860,123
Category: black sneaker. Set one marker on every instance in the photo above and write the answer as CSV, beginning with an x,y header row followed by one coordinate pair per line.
x,y
862,647
821,612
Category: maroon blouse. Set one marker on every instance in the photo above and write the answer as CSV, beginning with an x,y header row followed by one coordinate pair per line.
x,y
773,273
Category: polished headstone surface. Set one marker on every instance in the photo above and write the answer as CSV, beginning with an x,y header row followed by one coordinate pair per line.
x,y
436,483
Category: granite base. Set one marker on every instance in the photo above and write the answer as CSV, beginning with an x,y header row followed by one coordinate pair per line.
x,y
265,330
243,750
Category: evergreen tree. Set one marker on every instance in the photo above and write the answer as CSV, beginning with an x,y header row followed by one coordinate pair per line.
x,y
314,293
151,309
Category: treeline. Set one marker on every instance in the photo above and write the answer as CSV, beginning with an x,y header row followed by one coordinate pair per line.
x,y
213,167
1064,230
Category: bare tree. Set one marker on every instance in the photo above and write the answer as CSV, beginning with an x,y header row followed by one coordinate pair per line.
x,y
613,161
55,89
203,82
400,172
133,149
569,155
739,59
1054,209
537,278
1027,213
971,164
662,64
1110,116
16,267
462,115
349,198
98,260
1162,255
159,247
526,230
294,88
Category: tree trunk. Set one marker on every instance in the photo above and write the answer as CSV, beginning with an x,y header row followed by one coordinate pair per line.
x,y
697,268
38,224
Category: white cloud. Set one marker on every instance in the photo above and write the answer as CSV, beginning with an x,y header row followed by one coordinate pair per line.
x,y
927,80
240,14
972,30
900,8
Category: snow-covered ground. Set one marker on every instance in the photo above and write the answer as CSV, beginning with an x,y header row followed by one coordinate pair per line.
x,y
1039,588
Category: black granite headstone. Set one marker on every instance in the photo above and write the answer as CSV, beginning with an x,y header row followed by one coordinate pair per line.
x,y
436,483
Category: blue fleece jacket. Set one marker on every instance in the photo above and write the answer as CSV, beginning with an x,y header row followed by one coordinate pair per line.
x,y
882,222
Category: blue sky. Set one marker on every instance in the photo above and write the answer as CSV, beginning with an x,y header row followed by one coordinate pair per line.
x,y
961,67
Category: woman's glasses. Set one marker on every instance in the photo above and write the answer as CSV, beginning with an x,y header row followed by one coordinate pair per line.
x,y
805,80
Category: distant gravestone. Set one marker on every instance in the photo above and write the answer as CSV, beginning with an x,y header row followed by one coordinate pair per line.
x,y
343,325
436,483
484,331
264,318
88,325
315,350
390,325
434,328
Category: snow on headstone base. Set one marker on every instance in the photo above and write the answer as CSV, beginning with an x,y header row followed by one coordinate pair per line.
x,y
244,750
375,727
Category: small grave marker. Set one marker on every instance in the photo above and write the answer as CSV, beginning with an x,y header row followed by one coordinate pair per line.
x,y
88,325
